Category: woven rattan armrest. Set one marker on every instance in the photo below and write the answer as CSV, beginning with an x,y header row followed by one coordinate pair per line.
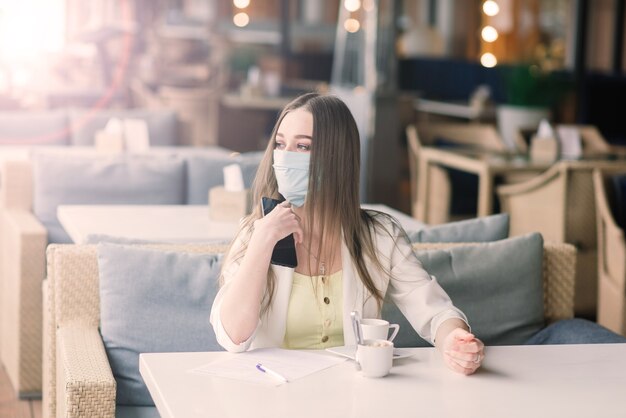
x,y
85,383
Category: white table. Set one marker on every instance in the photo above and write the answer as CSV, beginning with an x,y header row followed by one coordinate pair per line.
x,y
515,381
164,223
157,223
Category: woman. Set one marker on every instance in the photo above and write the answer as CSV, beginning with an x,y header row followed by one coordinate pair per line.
x,y
348,258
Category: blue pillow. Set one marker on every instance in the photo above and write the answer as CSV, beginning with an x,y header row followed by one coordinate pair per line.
x,y
485,229
48,127
122,179
162,124
619,185
498,285
153,301
206,171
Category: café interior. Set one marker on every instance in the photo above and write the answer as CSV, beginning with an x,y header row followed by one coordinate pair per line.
x,y
486,126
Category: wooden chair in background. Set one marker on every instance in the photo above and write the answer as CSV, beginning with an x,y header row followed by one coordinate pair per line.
x,y
477,136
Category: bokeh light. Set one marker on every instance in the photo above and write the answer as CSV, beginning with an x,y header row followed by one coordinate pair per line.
x,y
241,19
489,34
488,60
351,25
352,5
491,8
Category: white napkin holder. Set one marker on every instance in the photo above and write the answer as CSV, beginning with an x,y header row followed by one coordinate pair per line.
x,y
544,145
127,135
232,201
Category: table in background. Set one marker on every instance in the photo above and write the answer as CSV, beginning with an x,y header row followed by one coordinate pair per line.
x,y
515,381
164,223
155,223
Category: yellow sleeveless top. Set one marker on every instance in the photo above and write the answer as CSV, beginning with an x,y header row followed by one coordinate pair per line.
x,y
315,313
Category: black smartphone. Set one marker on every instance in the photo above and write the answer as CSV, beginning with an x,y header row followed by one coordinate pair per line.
x,y
284,253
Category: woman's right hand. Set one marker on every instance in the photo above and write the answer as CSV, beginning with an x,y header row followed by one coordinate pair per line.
x,y
279,223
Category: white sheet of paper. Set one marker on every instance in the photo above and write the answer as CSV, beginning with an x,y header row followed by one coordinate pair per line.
x,y
233,178
292,364
136,135
571,144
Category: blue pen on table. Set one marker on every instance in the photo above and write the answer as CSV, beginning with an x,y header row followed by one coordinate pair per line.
x,y
271,372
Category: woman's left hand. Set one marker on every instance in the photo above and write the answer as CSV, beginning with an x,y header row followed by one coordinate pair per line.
x,y
462,351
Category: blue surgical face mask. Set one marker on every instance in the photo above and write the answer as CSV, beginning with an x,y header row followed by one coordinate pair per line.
x,y
292,175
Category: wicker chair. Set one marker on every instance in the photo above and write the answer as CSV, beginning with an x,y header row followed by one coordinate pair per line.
x,y
440,205
560,204
78,381
475,135
611,257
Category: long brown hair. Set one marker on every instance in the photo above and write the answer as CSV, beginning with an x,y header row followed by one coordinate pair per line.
x,y
333,192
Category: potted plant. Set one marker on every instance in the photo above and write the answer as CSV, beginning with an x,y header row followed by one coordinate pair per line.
x,y
532,93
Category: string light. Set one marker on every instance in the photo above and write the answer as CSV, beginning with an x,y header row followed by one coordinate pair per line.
x,y
489,34
491,8
352,5
241,4
241,19
351,25
488,60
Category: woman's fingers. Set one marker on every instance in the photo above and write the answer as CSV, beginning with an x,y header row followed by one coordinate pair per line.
x,y
463,352
282,221
457,367
463,364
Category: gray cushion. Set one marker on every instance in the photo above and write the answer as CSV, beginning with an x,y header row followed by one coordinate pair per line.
x,y
81,179
34,128
498,285
485,229
162,124
206,171
153,301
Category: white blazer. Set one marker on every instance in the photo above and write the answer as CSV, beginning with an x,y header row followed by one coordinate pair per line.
x,y
417,294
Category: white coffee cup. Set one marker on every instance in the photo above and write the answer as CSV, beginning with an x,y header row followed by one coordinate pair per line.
x,y
375,357
378,329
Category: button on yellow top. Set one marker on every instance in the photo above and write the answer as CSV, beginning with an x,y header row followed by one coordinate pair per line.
x,y
312,324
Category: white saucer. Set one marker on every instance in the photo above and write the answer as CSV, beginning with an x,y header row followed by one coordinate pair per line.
x,y
350,352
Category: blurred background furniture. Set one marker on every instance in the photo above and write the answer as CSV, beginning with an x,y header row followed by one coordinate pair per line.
x,y
85,224
611,249
454,153
591,139
76,126
446,135
33,188
560,204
